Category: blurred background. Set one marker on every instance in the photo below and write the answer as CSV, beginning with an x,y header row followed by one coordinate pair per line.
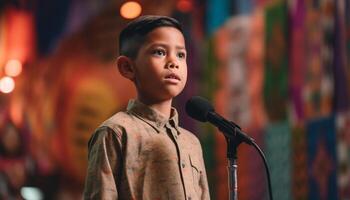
x,y
279,69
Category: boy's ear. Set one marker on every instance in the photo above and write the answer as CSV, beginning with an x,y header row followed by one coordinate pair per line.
x,y
126,67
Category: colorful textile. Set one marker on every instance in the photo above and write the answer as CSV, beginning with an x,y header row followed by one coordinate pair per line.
x,y
278,153
244,6
341,90
321,152
347,41
299,171
343,153
297,58
276,62
239,53
233,40
318,87
217,13
251,170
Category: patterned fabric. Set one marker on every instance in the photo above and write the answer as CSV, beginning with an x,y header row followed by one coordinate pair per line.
x,y
341,90
278,153
276,62
217,13
297,58
318,87
239,50
343,154
139,154
299,160
321,158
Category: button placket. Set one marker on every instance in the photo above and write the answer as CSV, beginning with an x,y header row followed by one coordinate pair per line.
x,y
183,164
171,129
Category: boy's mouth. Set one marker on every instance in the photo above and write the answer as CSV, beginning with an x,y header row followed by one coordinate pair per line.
x,y
173,76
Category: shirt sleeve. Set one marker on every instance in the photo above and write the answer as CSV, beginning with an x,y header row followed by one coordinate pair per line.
x,y
104,165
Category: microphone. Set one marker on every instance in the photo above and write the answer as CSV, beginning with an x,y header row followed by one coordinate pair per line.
x,y
200,109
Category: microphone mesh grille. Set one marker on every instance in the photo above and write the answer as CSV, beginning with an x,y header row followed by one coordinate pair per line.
x,y
198,108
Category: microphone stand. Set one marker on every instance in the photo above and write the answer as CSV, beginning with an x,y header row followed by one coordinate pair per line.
x,y
201,110
232,144
234,137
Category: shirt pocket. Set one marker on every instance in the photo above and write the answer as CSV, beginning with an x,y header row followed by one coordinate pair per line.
x,y
196,172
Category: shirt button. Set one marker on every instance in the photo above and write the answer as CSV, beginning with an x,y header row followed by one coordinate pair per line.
x,y
183,165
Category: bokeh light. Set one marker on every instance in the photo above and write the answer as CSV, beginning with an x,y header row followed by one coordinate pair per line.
x,y
130,10
31,193
13,68
184,5
7,84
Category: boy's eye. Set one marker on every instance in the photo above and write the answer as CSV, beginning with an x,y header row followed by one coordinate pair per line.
x,y
158,52
181,55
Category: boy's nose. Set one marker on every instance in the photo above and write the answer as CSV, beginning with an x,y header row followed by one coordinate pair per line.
x,y
172,65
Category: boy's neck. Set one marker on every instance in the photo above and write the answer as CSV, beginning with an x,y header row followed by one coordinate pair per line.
x,y
163,107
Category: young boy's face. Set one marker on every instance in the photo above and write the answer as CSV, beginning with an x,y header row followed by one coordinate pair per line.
x,y
160,66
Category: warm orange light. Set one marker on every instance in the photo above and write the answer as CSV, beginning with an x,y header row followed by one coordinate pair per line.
x,y
13,68
184,5
7,84
130,10
19,33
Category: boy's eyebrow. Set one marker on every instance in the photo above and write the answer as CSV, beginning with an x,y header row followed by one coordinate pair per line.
x,y
181,47
165,46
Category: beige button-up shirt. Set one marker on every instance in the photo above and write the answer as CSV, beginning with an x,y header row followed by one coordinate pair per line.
x,y
139,154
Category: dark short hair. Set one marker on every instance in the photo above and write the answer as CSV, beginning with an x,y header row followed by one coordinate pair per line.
x,y
134,34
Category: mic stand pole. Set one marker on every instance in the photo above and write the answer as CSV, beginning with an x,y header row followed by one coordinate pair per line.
x,y
234,136
232,144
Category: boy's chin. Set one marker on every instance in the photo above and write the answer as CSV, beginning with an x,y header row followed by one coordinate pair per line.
x,y
174,93
163,94
168,95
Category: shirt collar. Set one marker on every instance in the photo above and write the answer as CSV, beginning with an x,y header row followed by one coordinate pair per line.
x,y
151,116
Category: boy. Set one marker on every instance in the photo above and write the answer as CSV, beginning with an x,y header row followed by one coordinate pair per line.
x,y
142,153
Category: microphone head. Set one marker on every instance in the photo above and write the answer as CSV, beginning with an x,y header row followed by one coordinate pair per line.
x,y
198,108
